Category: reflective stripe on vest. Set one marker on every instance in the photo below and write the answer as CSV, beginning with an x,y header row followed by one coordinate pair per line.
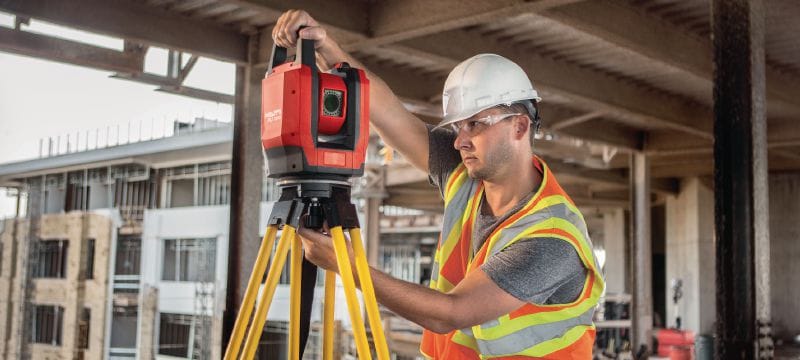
x,y
523,340
532,330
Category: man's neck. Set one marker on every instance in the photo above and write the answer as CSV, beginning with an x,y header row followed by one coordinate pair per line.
x,y
505,191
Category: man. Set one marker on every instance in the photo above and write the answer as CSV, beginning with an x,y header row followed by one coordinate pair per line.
x,y
514,273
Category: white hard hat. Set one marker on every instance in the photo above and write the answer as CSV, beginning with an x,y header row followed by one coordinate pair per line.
x,y
481,82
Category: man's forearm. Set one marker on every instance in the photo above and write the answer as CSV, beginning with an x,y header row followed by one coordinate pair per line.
x,y
422,305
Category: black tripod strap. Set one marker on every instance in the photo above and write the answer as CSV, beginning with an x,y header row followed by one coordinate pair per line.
x,y
307,285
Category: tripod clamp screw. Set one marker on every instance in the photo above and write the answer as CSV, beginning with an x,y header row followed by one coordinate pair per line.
x,y
315,215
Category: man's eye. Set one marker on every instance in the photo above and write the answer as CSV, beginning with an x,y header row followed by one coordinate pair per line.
x,y
472,124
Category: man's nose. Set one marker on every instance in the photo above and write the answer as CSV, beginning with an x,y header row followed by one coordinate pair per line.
x,y
462,141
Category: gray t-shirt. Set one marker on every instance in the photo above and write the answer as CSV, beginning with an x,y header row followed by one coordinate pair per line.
x,y
541,271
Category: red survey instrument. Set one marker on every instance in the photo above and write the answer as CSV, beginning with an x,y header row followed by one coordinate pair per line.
x,y
314,133
312,122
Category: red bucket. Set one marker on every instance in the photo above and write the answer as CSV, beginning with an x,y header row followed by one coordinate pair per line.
x,y
681,353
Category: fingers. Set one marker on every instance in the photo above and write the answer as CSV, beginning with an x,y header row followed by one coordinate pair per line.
x,y
313,33
286,28
312,235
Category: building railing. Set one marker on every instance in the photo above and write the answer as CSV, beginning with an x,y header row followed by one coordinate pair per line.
x,y
121,353
132,215
126,282
116,135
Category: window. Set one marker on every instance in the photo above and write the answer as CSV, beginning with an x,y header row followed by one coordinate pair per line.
x,y
214,190
123,327
129,250
274,341
174,335
83,328
189,260
181,193
197,185
50,259
77,196
47,323
90,259
54,193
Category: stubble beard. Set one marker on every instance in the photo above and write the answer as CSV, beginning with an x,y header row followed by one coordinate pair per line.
x,y
493,163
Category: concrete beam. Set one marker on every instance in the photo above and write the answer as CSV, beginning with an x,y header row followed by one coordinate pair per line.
x,y
575,120
607,133
586,87
173,86
423,17
361,25
71,52
628,27
780,134
196,93
618,177
345,17
135,21
582,86
404,83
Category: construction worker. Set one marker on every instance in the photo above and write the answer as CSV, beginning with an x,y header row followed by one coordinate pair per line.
x,y
514,273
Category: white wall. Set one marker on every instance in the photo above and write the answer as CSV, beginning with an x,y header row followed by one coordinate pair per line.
x,y
207,222
183,223
690,256
784,226
614,239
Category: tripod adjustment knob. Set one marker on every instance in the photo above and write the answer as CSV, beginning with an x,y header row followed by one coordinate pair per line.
x,y
315,217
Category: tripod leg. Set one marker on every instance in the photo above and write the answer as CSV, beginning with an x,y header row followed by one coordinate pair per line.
x,y
353,306
273,276
309,284
295,278
246,309
368,290
327,333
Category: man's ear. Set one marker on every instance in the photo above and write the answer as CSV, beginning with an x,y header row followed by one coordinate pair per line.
x,y
521,124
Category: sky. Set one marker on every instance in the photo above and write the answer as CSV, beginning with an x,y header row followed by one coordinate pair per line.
x,y
41,99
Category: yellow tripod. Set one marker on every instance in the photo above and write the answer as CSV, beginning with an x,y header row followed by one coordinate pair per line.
x,y
320,199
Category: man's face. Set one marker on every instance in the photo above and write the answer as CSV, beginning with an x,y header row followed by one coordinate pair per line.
x,y
484,148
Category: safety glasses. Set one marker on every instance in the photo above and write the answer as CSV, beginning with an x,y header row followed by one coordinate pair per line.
x,y
476,126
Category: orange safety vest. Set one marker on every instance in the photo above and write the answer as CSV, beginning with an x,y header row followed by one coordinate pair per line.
x,y
561,331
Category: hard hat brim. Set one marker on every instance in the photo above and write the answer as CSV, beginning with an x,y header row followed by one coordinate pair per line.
x,y
466,115
456,118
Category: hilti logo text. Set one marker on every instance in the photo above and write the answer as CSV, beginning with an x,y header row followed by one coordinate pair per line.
x,y
272,116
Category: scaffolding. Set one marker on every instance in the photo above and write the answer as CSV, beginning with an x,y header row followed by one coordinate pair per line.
x,y
204,300
36,194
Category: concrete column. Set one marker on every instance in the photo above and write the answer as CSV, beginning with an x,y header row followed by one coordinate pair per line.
x,y
784,190
642,262
740,177
373,192
690,256
614,243
246,180
373,227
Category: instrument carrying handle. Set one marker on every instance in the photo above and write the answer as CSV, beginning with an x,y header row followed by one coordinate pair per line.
x,y
306,53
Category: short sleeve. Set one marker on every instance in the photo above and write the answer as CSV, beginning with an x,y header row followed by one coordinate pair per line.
x,y
541,271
